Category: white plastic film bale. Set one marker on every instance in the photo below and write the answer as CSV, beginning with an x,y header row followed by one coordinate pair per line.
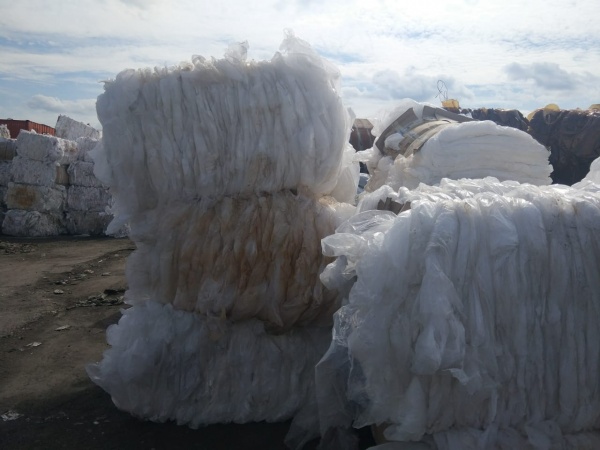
x,y
461,150
5,176
83,198
67,128
38,173
45,148
32,223
473,320
87,222
165,364
222,127
81,173
36,198
240,258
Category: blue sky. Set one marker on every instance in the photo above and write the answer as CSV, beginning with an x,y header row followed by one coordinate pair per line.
x,y
507,54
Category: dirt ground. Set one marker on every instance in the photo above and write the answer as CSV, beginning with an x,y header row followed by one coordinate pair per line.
x,y
57,297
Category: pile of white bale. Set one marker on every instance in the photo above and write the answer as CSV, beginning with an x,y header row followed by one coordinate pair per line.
x,y
469,317
229,173
47,183
466,321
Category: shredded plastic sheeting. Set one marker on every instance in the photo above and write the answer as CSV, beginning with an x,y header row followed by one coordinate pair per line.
x,y
81,173
82,198
240,258
38,173
465,150
45,148
36,198
472,318
165,364
223,127
32,223
67,128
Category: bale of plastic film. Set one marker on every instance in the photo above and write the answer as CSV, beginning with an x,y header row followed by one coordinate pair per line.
x,y
427,149
165,364
219,127
240,258
471,319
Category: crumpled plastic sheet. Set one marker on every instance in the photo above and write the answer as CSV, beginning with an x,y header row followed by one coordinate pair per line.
x,y
465,150
165,364
240,258
224,127
472,320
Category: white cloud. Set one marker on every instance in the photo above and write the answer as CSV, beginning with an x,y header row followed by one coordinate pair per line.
x,y
545,75
488,53
83,110
57,105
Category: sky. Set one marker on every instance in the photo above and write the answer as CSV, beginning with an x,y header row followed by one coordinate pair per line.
x,y
514,54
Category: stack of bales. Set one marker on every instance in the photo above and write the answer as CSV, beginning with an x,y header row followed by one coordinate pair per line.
x,y
470,318
50,185
226,171
87,198
37,195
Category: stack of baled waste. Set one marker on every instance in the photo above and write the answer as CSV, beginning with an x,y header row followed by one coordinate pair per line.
x,y
87,199
37,195
445,148
229,173
51,188
471,319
